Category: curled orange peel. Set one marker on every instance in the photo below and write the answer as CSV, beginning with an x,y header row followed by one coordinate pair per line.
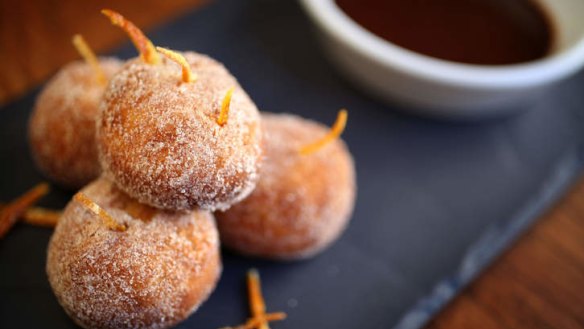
x,y
89,56
334,133
141,42
256,299
13,210
140,211
256,322
187,74
225,105
38,216
41,217
111,223
260,318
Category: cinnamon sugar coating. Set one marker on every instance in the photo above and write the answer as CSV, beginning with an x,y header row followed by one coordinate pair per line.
x,y
302,203
61,129
159,140
152,275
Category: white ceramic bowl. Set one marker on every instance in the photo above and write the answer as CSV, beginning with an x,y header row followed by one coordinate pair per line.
x,y
442,88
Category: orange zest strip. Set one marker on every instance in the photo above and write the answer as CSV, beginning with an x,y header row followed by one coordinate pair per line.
x,y
333,134
187,74
259,319
41,217
89,57
140,211
224,114
111,223
256,300
141,42
257,322
10,214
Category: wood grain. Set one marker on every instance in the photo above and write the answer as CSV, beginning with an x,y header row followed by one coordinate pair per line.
x,y
539,283
35,35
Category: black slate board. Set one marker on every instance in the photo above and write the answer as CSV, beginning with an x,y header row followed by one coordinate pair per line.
x,y
437,201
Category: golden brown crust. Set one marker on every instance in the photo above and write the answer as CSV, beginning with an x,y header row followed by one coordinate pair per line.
x,y
159,141
153,275
301,203
62,126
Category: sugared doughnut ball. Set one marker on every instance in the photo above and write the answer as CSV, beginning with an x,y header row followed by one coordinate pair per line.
x,y
159,139
62,126
301,203
152,275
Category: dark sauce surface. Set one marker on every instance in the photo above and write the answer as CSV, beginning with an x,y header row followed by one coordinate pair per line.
x,y
491,32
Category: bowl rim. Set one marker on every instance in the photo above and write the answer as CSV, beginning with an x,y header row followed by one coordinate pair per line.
x,y
519,76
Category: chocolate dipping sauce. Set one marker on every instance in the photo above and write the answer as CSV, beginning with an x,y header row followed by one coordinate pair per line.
x,y
489,32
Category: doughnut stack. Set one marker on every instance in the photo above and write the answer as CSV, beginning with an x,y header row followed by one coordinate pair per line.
x,y
177,138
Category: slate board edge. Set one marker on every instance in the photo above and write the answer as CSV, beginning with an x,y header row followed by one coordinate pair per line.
x,y
495,240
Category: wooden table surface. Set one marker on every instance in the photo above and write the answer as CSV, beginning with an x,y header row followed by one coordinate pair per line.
x,y
538,283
